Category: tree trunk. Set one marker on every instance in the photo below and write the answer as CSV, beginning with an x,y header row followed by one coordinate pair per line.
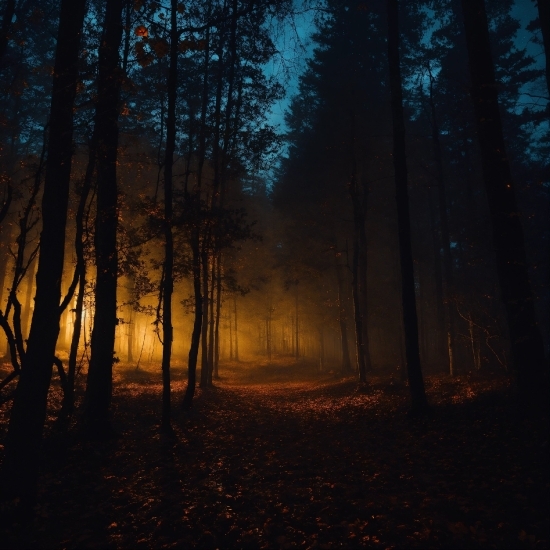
x,y
544,19
204,330
99,383
22,450
526,341
236,329
218,313
4,261
342,317
168,283
230,339
80,273
195,208
363,289
441,340
7,17
358,316
445,233
28,298
131,335
410,320
211,321
195,337
296,328
359,274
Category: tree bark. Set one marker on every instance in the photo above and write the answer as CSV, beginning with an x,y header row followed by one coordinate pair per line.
x,y
218,314
508,240
342,317
194,202
410,319
7,16
445,233
168,289
196,335
20,468
296,328
236,329
28,298
211,319
544,19
99,383
80,273
204,339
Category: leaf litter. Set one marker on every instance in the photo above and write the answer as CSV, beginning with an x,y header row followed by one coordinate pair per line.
x,y
295,460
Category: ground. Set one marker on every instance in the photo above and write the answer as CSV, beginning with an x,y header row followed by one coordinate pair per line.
x,y
279,456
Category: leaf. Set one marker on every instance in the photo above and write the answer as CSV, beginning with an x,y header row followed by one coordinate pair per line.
x,y
141,31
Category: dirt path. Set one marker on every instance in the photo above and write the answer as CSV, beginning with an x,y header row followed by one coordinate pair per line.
x,y
309,463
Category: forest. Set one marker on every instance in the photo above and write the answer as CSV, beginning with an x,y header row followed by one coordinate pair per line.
x,y
274,273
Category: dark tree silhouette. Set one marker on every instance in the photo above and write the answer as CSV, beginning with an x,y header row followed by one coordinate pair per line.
x,y
525,338
99,385
7,16
544,19
410,320
20,468
168,266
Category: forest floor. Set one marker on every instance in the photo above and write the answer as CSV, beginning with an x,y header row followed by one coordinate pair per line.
x,y
279,456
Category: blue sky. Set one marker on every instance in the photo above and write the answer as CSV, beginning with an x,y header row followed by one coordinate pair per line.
x,y
295,47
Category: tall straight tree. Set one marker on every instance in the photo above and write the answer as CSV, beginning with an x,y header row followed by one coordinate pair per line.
x,y
7,16
168,282
508,240
410,320
544,19
99,384
20,469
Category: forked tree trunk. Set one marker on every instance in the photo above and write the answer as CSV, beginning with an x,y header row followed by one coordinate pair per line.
x,y
525,337
195,209
80,272
99,384
22,450
410,320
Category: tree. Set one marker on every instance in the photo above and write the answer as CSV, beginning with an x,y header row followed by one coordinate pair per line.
x,y
408,296
544,20
99,383
7,16
526,341
168,266
20,468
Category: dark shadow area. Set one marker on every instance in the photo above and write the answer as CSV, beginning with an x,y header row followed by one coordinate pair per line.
x,y
313,463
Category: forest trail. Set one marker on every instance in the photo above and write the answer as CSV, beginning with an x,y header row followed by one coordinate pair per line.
x,y
299,459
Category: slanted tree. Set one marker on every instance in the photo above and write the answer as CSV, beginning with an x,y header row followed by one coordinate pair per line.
x,y
20,467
